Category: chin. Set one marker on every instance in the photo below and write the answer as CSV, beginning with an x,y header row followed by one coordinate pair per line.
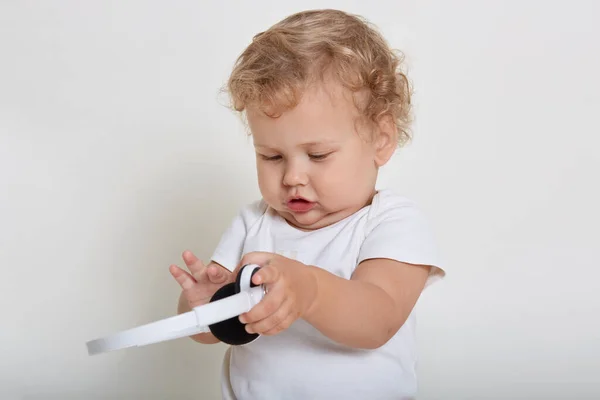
x,y
310,220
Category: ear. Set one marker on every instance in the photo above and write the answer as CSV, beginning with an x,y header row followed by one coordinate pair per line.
x,y
386,140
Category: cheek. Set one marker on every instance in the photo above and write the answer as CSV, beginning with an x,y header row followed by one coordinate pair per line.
x,y
268,176
336,176
346,175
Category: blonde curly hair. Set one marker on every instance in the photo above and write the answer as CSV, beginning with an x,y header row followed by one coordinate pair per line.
x,y
273,72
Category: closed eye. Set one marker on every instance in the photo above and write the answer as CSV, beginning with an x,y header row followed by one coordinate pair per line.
x,y
318,157
270,158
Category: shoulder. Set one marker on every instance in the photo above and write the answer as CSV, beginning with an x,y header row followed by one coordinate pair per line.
x,y
387,205
230,247
247,216
397,229
251,212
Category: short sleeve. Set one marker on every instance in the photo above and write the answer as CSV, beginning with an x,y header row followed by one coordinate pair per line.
x,y
229,249
397,230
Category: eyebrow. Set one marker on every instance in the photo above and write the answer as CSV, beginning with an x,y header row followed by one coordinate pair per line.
x,y
307,144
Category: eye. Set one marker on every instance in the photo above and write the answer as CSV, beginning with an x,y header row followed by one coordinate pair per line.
x,y
318,157
270,158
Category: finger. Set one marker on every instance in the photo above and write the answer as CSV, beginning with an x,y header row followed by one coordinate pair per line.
x,y
266,307
266,275
195,265
259,258
217,274
272,321
185,280
287,322
251,258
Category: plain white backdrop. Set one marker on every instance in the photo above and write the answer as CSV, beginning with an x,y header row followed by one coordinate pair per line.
x,y
116,154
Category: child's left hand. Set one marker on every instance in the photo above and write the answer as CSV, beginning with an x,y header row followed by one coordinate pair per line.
x,y
291,289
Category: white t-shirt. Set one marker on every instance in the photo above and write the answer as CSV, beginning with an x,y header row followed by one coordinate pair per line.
x,y
300,362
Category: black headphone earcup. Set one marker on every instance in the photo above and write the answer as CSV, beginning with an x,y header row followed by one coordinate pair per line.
x,y
230,331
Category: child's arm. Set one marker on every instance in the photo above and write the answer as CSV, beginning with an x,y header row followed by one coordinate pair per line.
x,y
363,312
367,310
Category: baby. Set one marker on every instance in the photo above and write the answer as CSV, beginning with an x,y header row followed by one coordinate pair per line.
x,y
343,263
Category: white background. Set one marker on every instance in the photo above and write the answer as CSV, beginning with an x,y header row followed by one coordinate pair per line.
x,y
116,154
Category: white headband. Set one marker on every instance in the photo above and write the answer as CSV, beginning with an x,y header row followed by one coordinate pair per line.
x,y
190,323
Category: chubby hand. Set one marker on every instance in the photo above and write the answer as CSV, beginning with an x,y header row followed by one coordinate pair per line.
x,y
291,289
202,281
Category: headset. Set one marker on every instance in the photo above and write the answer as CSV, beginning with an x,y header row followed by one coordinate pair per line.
x,y
219,316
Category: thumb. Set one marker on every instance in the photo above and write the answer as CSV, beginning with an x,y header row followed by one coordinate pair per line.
x,y
260,258
217,274
266,275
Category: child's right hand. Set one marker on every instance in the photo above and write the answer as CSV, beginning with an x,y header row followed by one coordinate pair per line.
x,y
199,286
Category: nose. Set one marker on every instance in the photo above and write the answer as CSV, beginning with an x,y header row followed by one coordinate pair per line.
x,y
295,174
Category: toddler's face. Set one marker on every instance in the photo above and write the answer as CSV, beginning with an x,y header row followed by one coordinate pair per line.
x,y
313,167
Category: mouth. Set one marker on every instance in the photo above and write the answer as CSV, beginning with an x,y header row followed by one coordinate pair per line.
x,y
299,204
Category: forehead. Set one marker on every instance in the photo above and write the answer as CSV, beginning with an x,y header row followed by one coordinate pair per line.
x,y
326,113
